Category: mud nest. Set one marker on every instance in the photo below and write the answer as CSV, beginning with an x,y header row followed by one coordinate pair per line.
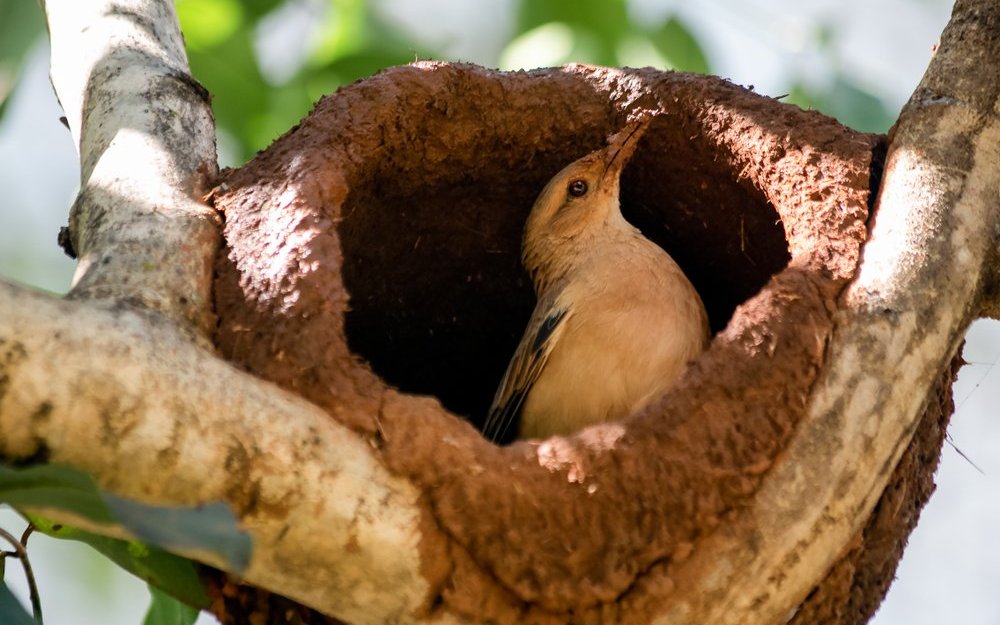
x,y
372,265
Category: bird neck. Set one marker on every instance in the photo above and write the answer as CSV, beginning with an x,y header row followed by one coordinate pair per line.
x,y
550,259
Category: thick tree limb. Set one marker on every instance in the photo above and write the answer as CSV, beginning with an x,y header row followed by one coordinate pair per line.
x,y
918,288
158,419
146,139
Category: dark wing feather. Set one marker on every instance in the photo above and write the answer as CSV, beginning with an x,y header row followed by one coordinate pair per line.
x,y
544,329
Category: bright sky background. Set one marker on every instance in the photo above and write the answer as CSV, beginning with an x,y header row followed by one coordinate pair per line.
x,y
951,571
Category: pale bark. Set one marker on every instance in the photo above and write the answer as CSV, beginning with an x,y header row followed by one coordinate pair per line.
x,y
903,317
157,418
146,139
129,396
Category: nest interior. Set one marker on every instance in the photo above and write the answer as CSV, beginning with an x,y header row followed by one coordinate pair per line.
x,y
432,254
377,245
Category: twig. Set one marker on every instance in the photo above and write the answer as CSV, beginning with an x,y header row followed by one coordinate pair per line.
x,y
22,554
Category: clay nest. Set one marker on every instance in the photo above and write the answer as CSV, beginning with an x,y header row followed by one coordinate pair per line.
x,y
372,266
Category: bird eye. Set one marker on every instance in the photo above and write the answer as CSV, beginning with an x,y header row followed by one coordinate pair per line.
x,y
577,188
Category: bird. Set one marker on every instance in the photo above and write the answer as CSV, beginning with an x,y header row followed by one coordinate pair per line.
x,y
616,320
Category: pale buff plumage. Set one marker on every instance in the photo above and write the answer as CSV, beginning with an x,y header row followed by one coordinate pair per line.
x,y
616,322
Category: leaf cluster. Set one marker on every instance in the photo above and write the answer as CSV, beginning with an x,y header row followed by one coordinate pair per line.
x,y
156,535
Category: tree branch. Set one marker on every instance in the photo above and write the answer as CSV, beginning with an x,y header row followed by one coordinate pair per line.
x,y
21,553
146,139
158,419
903,317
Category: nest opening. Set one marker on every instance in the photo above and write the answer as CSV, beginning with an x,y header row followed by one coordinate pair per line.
x,y
438,298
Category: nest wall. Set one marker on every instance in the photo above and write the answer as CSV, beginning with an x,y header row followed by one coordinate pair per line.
x,y
372,265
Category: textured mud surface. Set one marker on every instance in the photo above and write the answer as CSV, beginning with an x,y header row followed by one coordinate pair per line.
x,y
372,265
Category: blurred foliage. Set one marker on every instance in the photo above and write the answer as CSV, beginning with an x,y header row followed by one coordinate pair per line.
x,y
155,566
599,32
848,102
841,97
210,529
11,610
266,62
20,27
337,43
345,40
165,610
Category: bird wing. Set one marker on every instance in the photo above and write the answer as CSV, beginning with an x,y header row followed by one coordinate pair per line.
x,y
544,329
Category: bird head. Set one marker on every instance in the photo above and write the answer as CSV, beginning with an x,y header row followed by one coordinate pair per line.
x,y
578,204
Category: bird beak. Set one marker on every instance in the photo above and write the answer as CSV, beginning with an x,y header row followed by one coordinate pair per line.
x,y
622,145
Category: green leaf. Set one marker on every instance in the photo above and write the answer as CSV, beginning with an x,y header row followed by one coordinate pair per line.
x,y
800,97
207,23
256,9
852,105
349,41
239,92
165,610
20,28
857,107
287,106
171,573
678,46
354,66
553,44
53,486
211,528
11,610
344,31
598,26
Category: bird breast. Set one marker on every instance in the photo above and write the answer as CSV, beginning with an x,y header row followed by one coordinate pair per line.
x,y
636,323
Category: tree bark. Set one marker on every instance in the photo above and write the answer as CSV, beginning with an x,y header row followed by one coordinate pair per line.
x,y
118,379
146,139
920,284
